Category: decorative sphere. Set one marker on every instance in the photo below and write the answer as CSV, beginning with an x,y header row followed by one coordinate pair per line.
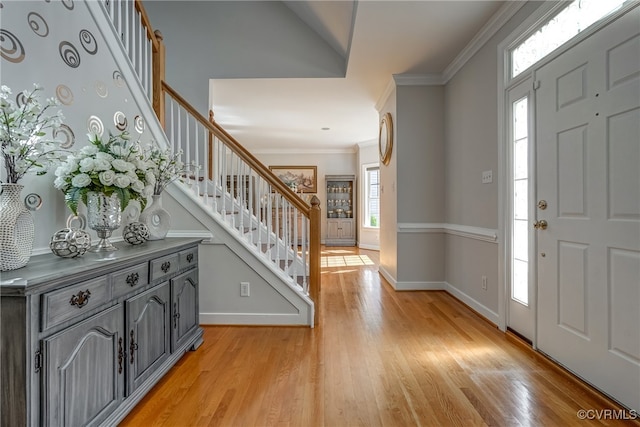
x,y
70,242
135,233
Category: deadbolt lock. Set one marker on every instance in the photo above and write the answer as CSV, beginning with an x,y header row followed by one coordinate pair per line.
x,y
540,225
542,204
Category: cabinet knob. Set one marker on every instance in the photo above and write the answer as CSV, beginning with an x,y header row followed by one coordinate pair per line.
x,y
132,279
166,266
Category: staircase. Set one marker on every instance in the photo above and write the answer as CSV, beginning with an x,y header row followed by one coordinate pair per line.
x,y
233,193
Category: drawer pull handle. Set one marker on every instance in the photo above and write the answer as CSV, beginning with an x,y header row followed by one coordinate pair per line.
x,y
81,299
133,346
166,266
189,258
120,355
132,279
176,315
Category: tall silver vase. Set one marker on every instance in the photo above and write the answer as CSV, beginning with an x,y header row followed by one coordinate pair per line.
x,y
17,230
103,216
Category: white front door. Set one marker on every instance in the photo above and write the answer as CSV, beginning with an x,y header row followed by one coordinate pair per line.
x,y
588,172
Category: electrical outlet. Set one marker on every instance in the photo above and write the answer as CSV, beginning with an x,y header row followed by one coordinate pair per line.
x,y
244,289
487,177
484,282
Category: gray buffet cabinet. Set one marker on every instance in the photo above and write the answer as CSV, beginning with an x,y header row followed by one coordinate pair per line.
x,y
84,339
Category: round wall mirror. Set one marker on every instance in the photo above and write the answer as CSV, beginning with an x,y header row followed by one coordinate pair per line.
x,y
385,138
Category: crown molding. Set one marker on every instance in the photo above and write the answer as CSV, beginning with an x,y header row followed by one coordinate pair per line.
x,y
429,79
350,150
365,144
492,26
388,90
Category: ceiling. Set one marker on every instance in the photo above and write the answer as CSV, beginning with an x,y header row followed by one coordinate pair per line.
x,y
293,85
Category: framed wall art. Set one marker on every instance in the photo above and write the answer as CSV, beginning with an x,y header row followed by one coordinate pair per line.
x,y
302,179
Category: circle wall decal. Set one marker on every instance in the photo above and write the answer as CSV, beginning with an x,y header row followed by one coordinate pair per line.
x,y
21,100
138,124
38,24
68,4
88,42
69,54
118,80
68,134
11,48
95,125
120,120
64,94
101,89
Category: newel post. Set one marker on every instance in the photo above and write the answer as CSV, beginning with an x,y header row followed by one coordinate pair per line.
x,y
315,256
158,77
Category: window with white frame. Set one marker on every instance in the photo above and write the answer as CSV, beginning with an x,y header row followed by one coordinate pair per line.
x,y
565,25
372,196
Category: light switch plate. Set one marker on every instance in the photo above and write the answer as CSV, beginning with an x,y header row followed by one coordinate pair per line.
x,y
487,177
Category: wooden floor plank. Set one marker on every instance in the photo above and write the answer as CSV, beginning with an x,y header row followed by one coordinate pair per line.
x,y
378,358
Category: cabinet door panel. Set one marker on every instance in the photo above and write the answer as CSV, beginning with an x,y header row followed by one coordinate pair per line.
x,y
83,378
148,333
346,231
333,230
184,294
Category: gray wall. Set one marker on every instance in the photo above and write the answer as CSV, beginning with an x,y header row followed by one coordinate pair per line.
x,y
388,200
87,83
265,40
420,151
470,121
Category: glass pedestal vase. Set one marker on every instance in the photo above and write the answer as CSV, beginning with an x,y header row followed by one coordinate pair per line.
x,y
103,216
156,218
17,230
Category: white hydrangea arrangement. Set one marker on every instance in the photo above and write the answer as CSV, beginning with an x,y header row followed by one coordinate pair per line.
x,y
23,130
118,166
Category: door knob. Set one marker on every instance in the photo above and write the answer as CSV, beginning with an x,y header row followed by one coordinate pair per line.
x,y
540,225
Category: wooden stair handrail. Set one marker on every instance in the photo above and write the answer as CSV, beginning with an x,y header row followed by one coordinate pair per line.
x,y
147,25
242,152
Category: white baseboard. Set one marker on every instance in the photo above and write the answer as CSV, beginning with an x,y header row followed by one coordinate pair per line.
x,y
480,308
264,319
410,286
369,247
419,286
384,273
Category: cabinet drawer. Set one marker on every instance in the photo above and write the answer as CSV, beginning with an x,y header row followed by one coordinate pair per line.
x,y
165,266
74,301
129,279
189,258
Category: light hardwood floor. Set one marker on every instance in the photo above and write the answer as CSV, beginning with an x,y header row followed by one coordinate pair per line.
x,y
379,358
